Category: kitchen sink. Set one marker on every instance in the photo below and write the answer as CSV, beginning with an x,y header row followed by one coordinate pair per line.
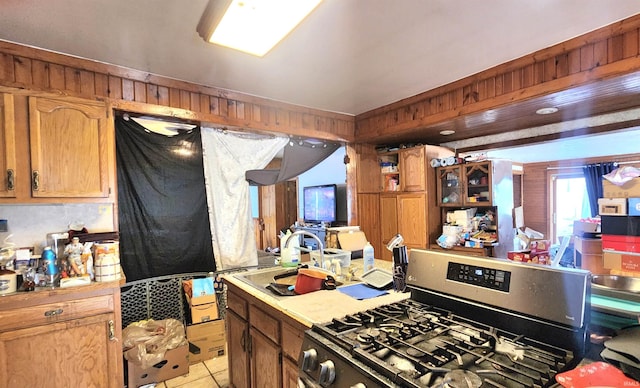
x,y
621,287
261,278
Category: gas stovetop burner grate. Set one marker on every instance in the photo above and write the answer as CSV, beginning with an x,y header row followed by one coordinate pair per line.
x,y
419,345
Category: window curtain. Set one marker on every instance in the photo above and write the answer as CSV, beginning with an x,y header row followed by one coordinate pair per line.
x,y
227,156
162,209
298,157
593,178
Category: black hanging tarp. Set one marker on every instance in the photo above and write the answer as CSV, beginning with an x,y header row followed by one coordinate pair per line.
x,y
162,203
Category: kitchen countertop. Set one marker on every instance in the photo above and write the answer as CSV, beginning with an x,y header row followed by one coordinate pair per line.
x,y
319,306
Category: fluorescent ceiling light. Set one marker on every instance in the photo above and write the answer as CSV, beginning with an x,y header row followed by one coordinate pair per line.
x,y
252,26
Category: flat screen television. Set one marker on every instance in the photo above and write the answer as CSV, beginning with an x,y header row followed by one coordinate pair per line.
x,y
319,203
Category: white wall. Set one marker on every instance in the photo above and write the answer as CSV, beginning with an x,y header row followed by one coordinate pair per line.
x,y
30,224
329,171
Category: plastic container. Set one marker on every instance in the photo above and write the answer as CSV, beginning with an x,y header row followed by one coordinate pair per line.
x,y
289,256
368,257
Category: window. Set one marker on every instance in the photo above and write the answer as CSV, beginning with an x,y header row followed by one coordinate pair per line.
x,y
570,203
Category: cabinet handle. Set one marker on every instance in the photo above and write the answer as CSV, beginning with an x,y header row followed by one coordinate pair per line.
x,y
10,179
112,330
243,341
53,313
249,344
35,181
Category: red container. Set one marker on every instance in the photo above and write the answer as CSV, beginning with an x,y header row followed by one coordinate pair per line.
x,y
619,243
310,280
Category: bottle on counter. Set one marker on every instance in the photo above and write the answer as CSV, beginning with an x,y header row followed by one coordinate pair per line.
x,y
368,257
289,256
50,266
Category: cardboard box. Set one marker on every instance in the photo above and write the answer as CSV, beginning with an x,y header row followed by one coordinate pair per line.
x,y
634,207
204,312
201,297
206,340
582,228
614,242
630,189
587,246
622,226
174,364
538,246
594,264
612,206
529,257
622,261
202,291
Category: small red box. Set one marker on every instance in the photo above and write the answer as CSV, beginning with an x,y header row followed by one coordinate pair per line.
x,y
538,246
620,243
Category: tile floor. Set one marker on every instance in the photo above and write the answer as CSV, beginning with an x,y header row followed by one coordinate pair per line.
x,y
212,373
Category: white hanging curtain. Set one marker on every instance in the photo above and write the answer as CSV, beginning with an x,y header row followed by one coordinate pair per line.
x,y
227,157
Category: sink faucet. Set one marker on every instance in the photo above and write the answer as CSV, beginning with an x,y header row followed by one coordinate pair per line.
x,y
304,232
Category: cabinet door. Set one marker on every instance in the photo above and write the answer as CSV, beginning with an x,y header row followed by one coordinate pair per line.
x,y
369,218
450,186
237,346
412,219
478,184
77,353
7,147
412,167
266,361
289,373
69,150
388,223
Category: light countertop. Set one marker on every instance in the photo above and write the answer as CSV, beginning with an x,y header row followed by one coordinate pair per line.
x,y
319,306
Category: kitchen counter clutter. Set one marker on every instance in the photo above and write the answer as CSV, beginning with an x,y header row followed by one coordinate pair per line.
x,y
265,331
318,306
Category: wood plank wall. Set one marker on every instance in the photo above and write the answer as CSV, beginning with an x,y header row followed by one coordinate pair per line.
x,y
610,50
140,92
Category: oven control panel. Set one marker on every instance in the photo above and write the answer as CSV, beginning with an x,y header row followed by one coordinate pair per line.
x,y
491,278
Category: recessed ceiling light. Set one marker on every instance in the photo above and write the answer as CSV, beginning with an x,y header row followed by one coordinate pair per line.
x,y
447,132
546,111
252,26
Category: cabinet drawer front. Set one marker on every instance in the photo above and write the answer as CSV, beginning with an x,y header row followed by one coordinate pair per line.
x,y
236,304
265,323
291,341
55,312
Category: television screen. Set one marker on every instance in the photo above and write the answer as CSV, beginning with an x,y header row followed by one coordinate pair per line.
x,y
320,203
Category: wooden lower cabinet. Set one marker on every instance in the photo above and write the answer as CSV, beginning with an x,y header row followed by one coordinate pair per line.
x,y
237,336
265,354
62,338
263,342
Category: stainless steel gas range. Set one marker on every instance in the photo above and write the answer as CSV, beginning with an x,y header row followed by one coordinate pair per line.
x,y
470,322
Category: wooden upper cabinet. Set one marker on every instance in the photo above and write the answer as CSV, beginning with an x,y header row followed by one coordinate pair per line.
x,y
412,167
69,150
7,147
478,184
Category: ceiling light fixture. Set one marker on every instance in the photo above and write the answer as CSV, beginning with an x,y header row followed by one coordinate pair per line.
x,y
546,111
447,132
252,26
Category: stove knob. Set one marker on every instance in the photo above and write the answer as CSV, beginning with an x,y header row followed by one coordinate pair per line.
x,y
327,373
309,360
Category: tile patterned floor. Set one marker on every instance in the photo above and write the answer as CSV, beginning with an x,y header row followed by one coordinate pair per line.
x,y
212,373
